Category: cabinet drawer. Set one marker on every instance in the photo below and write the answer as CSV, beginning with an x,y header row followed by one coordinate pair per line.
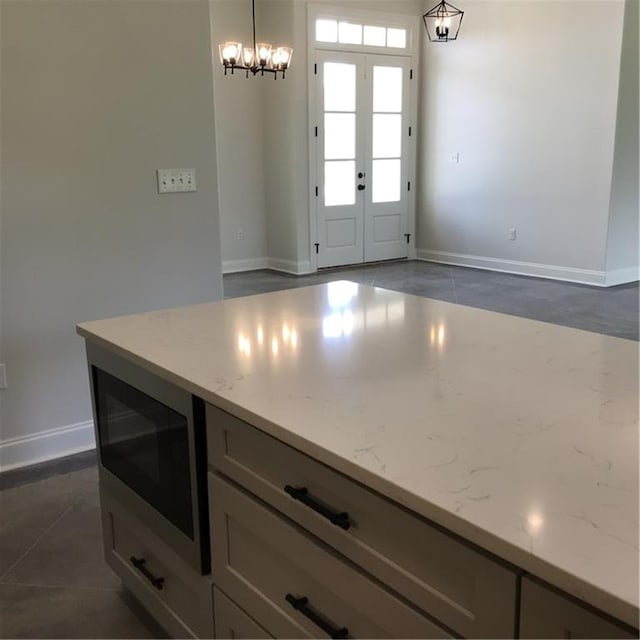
x,y
177,596
269,566
545,613
469,592
232,621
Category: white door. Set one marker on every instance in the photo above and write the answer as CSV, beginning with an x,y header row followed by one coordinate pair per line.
x,y
362,149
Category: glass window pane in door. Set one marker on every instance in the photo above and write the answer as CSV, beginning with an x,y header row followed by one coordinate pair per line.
x,y
339,86
397,38
387,135
326,30
340,136
385,181
349,33
339,183
387,89
375,36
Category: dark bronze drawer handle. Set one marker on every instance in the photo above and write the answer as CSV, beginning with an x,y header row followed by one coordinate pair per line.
x,y
340,519
139,564
301,605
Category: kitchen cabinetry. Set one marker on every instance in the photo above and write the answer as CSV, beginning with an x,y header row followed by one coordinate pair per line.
x,y
232,621
176,595
419,474
547,613
463,589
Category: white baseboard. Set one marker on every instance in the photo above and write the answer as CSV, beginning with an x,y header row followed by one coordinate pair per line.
x,y
247,264
623,276
252,264
290,266
553,272
46,445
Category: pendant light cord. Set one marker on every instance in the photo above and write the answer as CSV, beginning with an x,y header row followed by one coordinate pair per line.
x,y
253,8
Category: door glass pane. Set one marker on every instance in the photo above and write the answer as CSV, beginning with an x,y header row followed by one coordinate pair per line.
x,y
349,33
397,38
385,181
387,89
387,135
340,136
326,30
340,183
375,36
339,86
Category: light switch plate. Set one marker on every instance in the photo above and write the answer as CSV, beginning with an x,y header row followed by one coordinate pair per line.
x,y
176,180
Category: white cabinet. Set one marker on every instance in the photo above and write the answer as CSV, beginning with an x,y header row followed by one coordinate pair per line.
x,y
232,621
293,584
546,613
176,595
451,582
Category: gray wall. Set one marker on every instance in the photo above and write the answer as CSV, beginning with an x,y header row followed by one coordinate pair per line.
x,y
528,99
95,97
239,136
622,247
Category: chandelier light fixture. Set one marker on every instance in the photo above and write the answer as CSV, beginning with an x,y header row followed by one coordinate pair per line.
x,y
443,22
261,58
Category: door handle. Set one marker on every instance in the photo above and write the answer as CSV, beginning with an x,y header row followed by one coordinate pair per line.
x,y
361,187
302,605
140,565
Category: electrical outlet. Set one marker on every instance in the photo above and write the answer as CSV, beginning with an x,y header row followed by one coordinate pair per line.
x,y
176,180
3,376
239,234
512,234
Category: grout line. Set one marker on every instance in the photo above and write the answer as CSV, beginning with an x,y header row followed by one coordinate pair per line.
x,y
60,586
44,533
453,284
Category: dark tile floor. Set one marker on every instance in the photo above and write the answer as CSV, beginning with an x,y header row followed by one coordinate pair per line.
x,y
613,310
53,580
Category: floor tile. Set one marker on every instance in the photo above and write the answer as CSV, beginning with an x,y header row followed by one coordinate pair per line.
x,y
56,612
29,511
69,554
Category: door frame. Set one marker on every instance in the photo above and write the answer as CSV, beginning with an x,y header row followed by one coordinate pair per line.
x,y
377,18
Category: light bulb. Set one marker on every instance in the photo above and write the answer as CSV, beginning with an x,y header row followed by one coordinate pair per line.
x,y
264,53
230,52
282,58
247,56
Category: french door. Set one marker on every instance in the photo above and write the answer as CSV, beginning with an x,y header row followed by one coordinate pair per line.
x,y
362,108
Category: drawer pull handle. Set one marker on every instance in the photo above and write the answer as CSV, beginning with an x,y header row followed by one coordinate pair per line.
x,y
302,605
339,518
139,564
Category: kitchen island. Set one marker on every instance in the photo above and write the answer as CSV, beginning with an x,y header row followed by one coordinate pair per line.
x,y
496,457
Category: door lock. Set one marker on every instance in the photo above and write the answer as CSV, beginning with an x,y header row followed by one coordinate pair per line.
x,y
361,175
361,187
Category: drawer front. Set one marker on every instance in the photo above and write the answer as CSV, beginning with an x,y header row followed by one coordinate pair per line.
x,y
294,586
168,587
232,621
545,613
469,592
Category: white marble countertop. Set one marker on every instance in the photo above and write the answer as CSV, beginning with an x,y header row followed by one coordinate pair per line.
x,y
520,436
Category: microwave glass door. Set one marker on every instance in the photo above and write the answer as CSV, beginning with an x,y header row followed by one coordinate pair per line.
x,y
145,444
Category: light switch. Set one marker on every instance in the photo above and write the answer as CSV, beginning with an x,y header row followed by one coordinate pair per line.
x,y
176,180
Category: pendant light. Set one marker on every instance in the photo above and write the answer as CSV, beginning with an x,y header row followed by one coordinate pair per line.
x,y
261,58
443,22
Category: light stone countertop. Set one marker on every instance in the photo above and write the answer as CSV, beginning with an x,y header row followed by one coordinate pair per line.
x,y
519,436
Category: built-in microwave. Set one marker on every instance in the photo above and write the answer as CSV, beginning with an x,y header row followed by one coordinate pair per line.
x,y
150,437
